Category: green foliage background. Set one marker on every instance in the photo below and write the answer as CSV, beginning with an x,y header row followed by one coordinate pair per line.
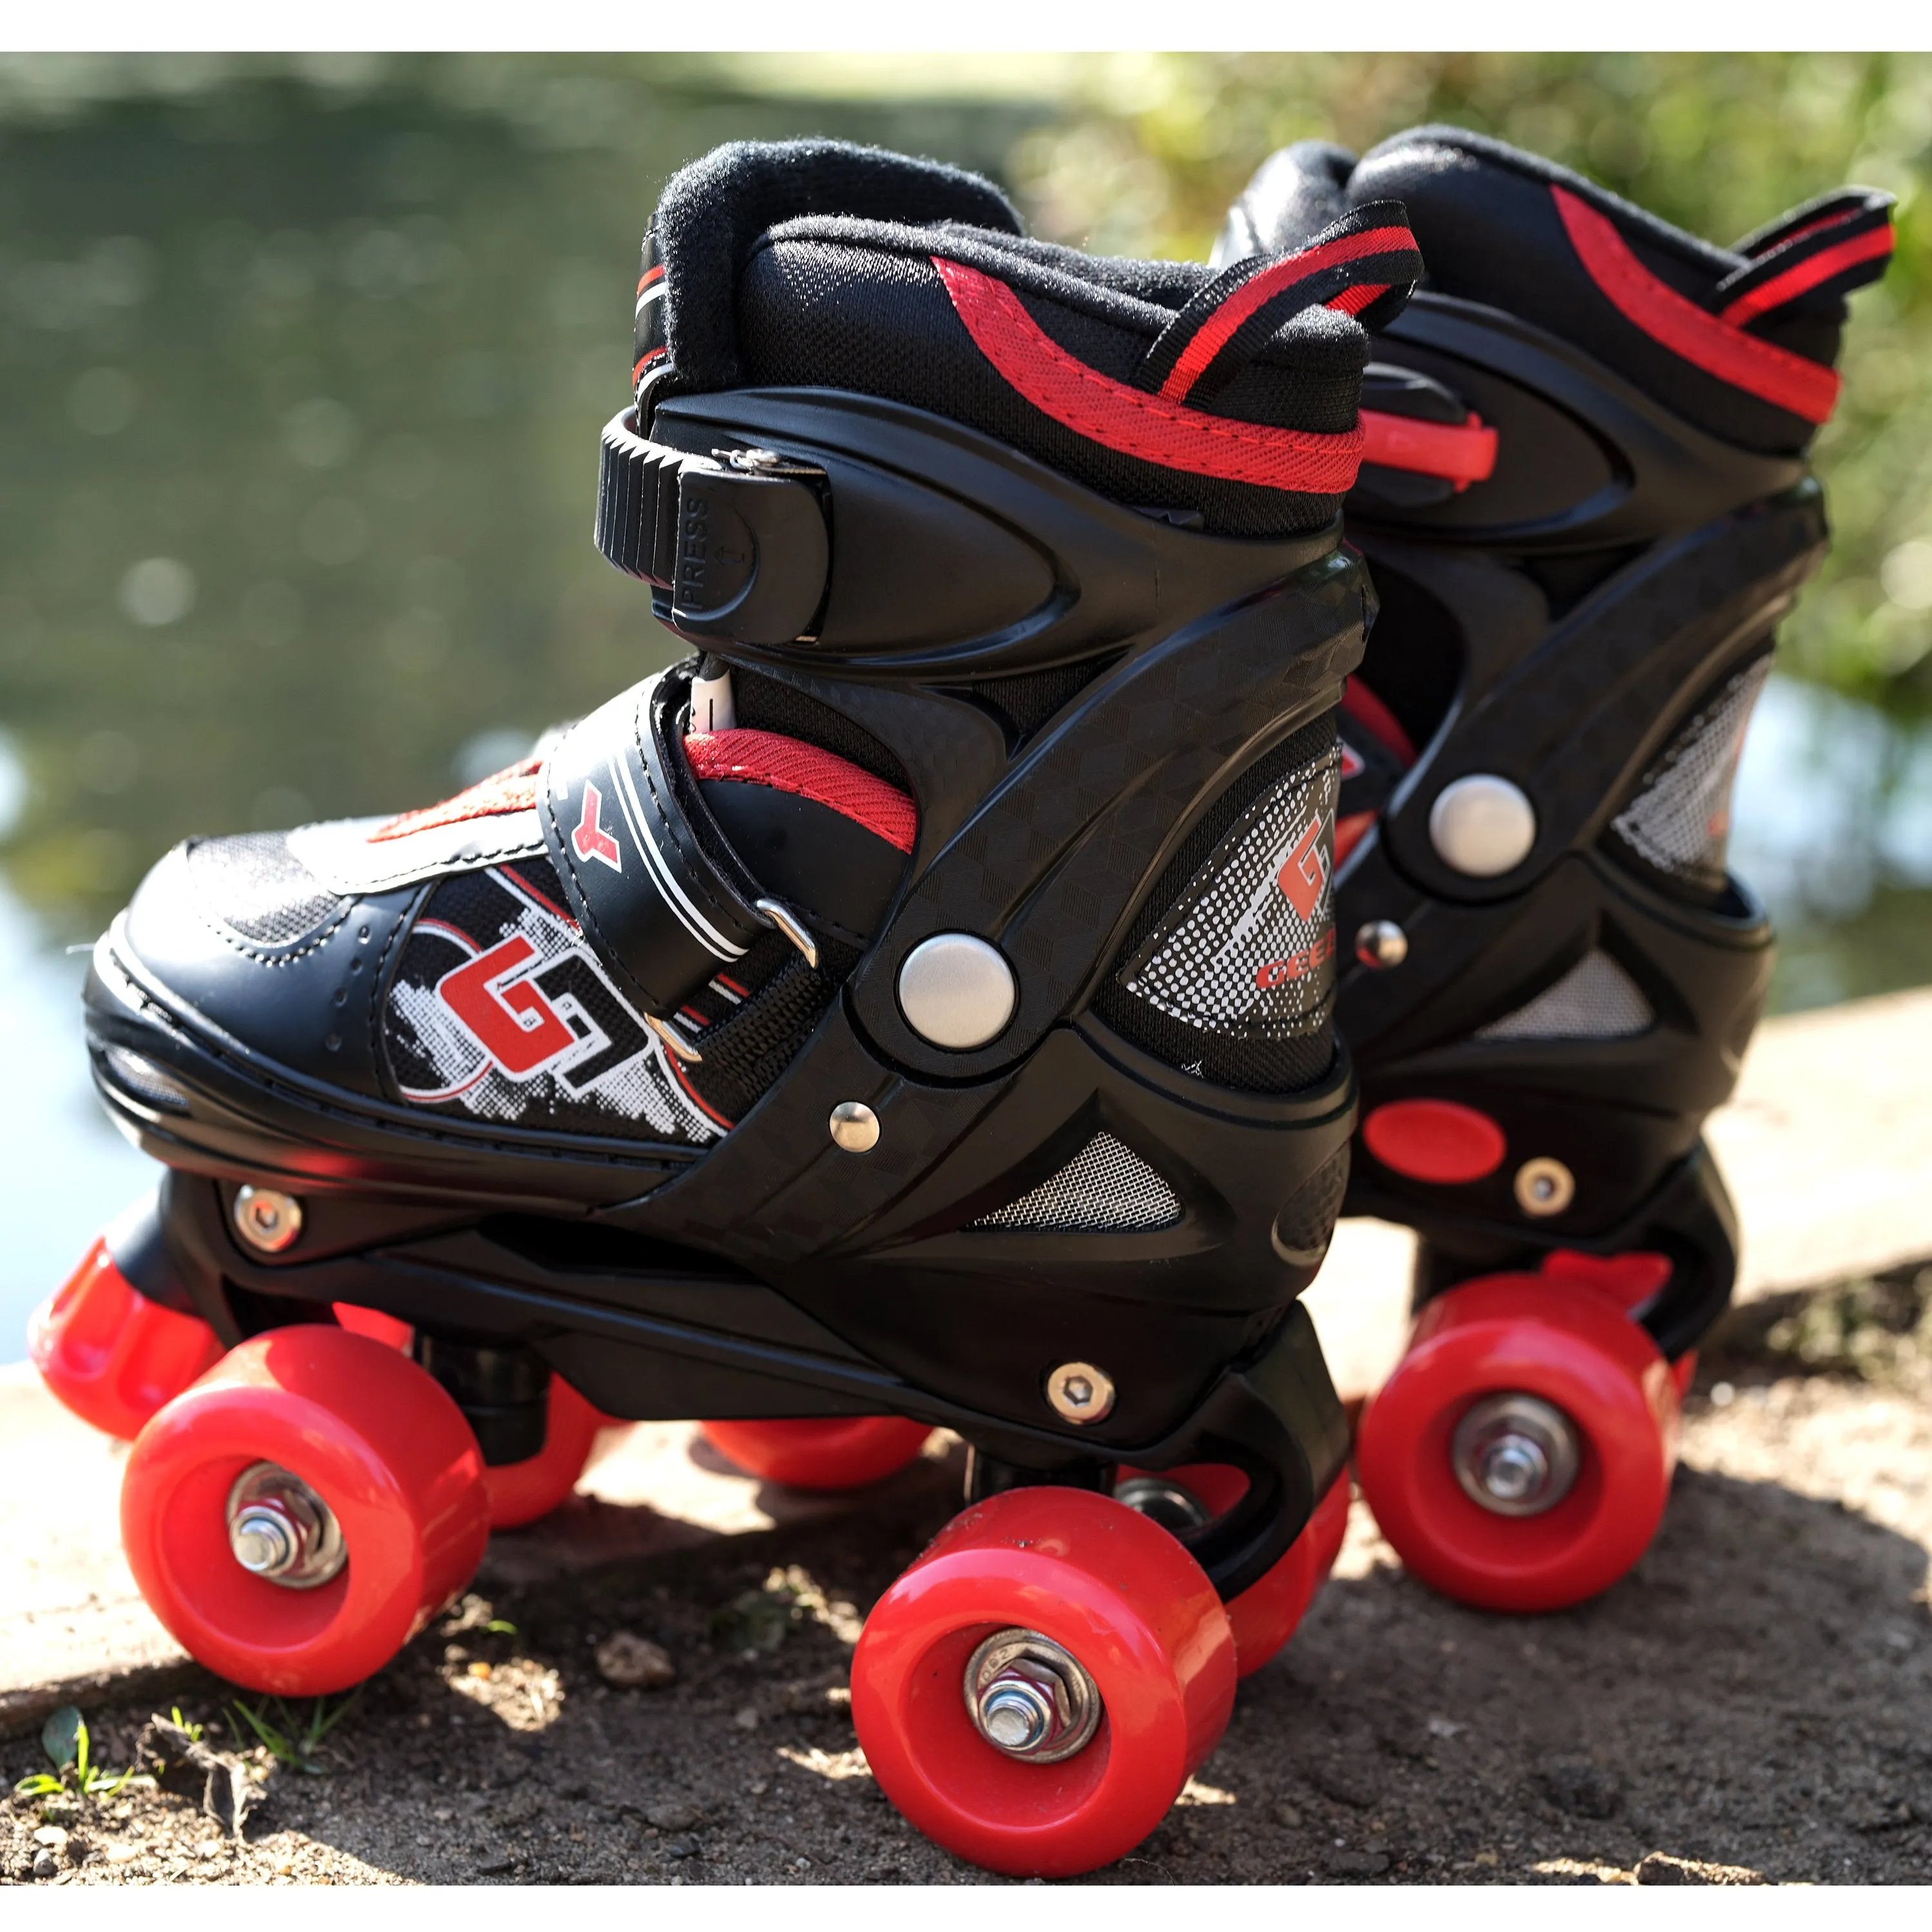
x,y
366,316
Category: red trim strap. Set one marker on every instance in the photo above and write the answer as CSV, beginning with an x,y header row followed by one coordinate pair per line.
x,y
1208,339
790,765
1708,342
1460,453
1121,417
1360,704
513,789
1803,276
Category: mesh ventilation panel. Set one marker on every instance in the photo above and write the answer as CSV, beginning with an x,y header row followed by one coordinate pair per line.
x,y
1680,819
1106,1186
255,886
1595,999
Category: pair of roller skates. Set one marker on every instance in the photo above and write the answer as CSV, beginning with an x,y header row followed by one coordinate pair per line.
x,y
966,991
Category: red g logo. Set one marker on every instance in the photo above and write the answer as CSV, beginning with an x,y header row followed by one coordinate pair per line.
x,y
1306,872
515,1025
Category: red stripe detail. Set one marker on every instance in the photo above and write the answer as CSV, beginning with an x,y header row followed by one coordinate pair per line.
x,y
654,275
1462,453
1352,301
1761,369
731,986
645,360
1807,274
697,1099
1360,704
543,899
514,789
1209,339
789,764
1130,420
1350,830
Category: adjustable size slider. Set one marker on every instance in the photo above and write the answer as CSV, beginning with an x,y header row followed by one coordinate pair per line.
x,y
740,545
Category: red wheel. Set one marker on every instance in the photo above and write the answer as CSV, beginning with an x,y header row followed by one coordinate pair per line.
x,y
390,1329
1099,1654
298,1515
521,1491
1520,1457
831,1452
112,1356
1267,1613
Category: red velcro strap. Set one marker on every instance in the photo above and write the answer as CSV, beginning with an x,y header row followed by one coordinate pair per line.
x,y
1461,453
1719,348
790,764
513,789
1121,417
1873,245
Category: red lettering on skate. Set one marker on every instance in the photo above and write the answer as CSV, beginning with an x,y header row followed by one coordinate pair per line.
x,y
1274,973
516,1026
1305,873
590,839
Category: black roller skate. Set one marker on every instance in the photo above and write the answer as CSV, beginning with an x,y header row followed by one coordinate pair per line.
x,y
915,1010
1585,505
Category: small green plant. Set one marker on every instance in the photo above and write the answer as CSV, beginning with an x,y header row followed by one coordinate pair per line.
x,y
65,1739
193,1733
288,1737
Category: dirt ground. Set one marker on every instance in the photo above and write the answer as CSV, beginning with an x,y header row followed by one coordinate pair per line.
x,y
1752,1702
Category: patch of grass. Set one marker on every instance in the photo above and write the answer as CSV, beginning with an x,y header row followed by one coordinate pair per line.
x,y
64,1738
1877,1328
289,1737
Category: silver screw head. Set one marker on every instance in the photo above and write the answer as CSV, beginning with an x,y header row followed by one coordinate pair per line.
x,y
266,1218
1380,944
280,1529
1030,1698
1483,826
1515,1454
957,991
1081,1393
855,1127
1544,1187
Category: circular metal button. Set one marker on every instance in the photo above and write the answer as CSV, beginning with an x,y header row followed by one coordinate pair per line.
x,y
1382,943
1081,1393
1482,825
855,1126
957,991
1030,1698
1515,1454
266,1218
1544,1187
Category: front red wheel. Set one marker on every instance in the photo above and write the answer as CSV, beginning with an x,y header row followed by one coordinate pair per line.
x,y
832,1452
1034,1692
1520,1455
112,1356
304,1510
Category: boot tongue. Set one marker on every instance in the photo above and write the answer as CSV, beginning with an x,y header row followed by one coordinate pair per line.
x,y
711,214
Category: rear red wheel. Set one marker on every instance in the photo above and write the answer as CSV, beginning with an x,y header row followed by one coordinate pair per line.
x,y
1268,1612
112,1356
1034,1692
519,1492
832,1452
304,1510
1520,1456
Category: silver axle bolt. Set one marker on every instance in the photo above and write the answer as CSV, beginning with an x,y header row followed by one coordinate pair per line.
x,y
1029,1699
1515,1454
267,1218
280,1529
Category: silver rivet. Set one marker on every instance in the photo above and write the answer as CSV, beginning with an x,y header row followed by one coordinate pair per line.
x,y
1515,1455
1030,1698
1381,943
957,991
1544,1187
1482,825
266,1220
855,1126
1081,1393
279,1528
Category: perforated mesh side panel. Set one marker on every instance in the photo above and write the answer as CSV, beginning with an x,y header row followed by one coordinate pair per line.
x,y
1595,999
254,885
1106,1186
1679,821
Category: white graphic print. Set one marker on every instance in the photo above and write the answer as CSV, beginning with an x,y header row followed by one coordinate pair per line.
x,y
1249,949
520,1022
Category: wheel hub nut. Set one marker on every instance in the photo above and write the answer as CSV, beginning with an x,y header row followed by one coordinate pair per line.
x,y
280,1529
1515,1454
267,1218
1029,1699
